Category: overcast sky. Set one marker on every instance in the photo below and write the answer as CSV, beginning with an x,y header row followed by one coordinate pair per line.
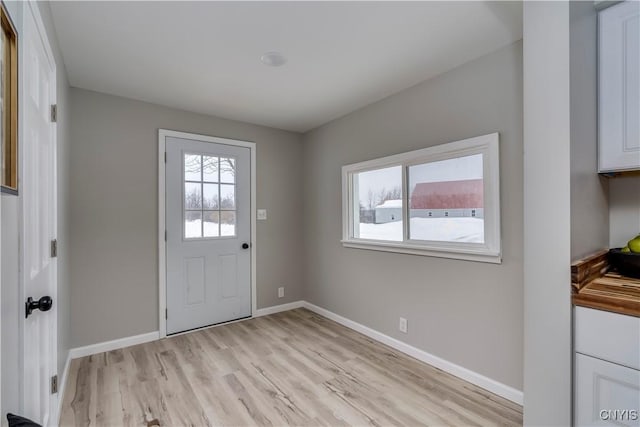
x,y
458,169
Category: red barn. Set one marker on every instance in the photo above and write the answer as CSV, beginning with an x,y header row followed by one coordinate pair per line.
x,y
465,194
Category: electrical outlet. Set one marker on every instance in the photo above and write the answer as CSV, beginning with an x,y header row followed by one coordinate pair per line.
x,y
262,214
281,292
403,325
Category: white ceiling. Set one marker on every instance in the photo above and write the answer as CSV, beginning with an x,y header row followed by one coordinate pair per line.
x,y
205,56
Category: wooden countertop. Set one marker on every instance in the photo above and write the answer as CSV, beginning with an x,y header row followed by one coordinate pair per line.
x,y
594,286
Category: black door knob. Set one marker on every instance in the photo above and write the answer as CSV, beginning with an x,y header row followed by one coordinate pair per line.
x,y
245,246
43,304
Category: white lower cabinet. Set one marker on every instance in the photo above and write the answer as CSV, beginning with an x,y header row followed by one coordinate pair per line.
x,y
607,369
606,394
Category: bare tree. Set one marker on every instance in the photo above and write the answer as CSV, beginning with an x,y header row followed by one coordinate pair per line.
x,y
376,198
192,198
227,168
371,200
209,170
395,193
228,202
192,164
210,167
383,195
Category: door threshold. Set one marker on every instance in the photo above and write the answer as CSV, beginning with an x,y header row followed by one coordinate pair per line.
x,y
228,322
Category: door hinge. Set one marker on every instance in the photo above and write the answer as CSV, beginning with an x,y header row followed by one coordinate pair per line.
x,y
54,248
54,113
165,157
165,235
166,313
54,384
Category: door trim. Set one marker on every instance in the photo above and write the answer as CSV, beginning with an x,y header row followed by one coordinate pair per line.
x,y
162,222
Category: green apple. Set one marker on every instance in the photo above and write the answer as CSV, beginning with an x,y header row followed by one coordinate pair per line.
x,y
625,250
634,244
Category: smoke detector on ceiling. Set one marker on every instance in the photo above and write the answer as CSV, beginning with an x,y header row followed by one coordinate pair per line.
x,y
273,59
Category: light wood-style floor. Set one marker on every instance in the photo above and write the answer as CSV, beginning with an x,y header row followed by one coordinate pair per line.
x,y
291,368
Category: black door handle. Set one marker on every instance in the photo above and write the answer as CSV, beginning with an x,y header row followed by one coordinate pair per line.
x,y
245,246
43,304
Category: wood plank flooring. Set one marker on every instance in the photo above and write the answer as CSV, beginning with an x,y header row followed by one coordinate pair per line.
x,y
291,368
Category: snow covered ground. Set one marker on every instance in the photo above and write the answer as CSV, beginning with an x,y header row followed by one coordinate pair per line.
x,y
440,229
192,229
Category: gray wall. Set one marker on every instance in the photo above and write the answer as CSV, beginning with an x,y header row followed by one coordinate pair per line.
x,y
12,304
624,209
468,313
589,191
605,212
114,211
547,243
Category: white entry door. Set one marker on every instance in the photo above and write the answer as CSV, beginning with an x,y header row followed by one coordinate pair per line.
x,y
208,231
37,189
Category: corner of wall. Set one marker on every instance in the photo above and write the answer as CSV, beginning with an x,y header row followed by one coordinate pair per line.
x,y
547,162
589,191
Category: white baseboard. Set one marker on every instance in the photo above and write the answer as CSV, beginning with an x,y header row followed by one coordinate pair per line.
x,y
278,308
480,380
101,347
486,383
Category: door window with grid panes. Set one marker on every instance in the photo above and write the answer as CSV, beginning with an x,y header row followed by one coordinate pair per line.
x,y
209,196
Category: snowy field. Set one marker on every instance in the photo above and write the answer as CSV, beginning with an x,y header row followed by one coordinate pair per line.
x,y
192,229
470,230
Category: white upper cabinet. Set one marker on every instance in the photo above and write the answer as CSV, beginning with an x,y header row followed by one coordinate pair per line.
x,y
619,88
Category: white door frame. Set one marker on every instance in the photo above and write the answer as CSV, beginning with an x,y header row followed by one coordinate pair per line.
x,y
162,224
1,318
32,7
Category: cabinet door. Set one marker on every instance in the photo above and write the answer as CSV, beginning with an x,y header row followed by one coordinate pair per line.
x,y
619,87
608,336
606,394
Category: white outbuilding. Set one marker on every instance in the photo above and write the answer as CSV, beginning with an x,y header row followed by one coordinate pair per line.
x,y
389,211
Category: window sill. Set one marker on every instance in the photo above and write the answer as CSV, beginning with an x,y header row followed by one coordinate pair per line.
x,y
403,248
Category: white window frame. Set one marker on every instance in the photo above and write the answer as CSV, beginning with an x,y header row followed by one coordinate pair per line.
x,y
489,251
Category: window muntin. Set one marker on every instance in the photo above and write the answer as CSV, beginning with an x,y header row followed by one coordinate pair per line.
x,y
448,204
209,196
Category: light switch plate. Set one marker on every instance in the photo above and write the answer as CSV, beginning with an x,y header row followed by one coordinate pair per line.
x,y
262,214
